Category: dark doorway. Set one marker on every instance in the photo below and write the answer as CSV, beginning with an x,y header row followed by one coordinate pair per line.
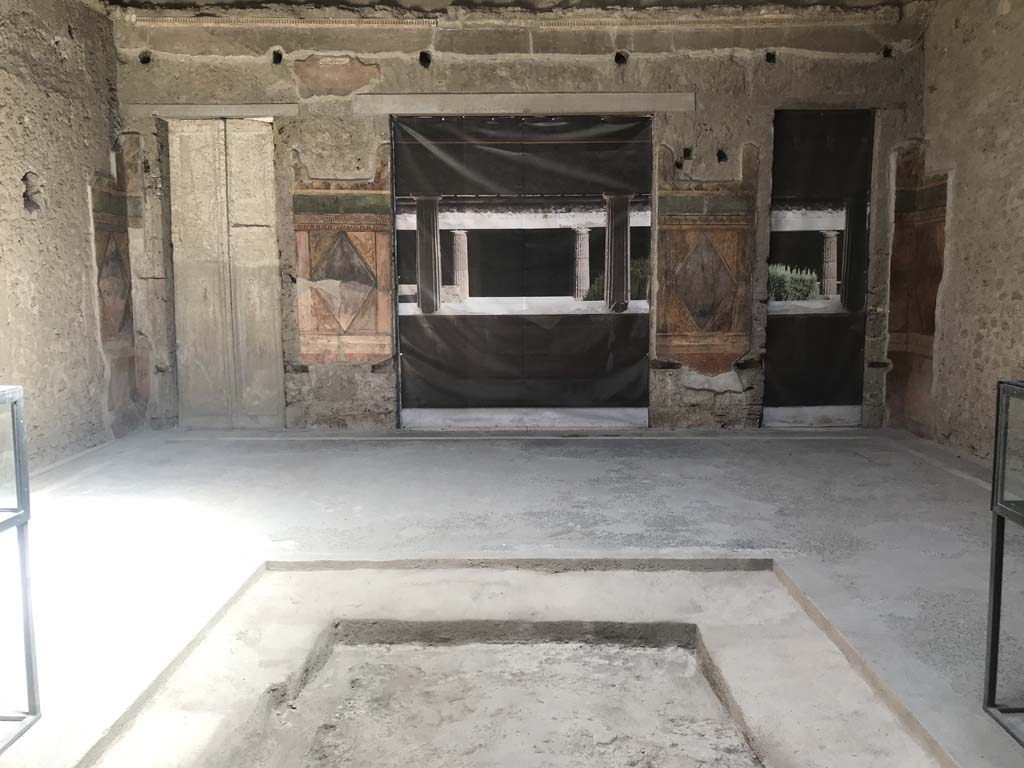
x,y
503,252
818,262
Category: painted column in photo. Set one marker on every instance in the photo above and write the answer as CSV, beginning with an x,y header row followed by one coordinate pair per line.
x,y
460,252
616,252
582,263
830,265
428,255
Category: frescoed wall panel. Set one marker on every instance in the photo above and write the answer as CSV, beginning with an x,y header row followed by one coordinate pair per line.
x,y
344,279
919,241
704,291
112,209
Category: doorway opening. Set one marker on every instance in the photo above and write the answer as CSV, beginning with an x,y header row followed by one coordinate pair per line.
x,y
817,267
523,269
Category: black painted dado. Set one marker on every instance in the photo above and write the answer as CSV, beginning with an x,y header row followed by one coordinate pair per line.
x,y
814,360
502,361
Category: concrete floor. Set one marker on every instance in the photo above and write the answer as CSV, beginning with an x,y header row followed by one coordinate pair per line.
x,y
138,543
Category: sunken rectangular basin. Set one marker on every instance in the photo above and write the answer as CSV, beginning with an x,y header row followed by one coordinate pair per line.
x,y
492,693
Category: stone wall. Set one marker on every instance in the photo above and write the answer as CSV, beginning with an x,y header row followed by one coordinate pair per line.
x,y
974,106
59,112
308,68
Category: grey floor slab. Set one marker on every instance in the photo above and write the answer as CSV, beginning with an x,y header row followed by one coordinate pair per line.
x,y
886,534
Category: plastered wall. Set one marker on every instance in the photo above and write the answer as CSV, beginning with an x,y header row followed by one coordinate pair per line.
x,y
59,114
713,164
974,106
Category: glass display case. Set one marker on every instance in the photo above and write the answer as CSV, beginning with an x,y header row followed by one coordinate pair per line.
x,y
18,678
1007,504
1008,476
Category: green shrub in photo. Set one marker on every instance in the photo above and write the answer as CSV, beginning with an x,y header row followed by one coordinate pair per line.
x,y
639,282
787,284
639,278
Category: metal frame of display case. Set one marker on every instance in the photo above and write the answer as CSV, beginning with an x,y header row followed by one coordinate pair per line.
x,y
1002,510
13,399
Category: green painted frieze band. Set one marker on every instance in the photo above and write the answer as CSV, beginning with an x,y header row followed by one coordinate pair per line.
x,y
346,203
724,204
906,200
933,196
112,203
135,208
921,199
